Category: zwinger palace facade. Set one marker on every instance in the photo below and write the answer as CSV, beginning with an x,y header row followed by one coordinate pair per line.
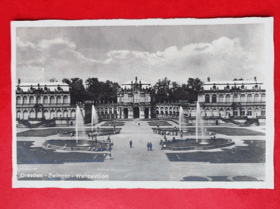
x,y
226,99
44,101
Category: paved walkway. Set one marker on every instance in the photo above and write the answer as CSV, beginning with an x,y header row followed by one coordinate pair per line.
x,y
132,164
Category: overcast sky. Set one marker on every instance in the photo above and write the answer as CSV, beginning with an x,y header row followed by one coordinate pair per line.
x,y
119,53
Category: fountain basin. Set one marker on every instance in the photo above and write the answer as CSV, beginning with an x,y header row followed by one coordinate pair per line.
x,y
202,144
82,145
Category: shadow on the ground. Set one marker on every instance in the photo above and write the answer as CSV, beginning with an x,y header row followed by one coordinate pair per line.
x,y
253,153
37,155
63,131
220,178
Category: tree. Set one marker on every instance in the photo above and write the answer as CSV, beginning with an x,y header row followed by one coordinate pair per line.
x,y
77,89
103,91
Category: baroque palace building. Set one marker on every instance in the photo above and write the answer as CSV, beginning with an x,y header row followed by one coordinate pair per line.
x,y
221,99
232,99
51,102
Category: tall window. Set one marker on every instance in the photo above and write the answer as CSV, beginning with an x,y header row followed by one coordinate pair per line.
x,y
227,98
45,99
214,98
242,112
263,98
18,100
263,112
221,98
52,100
25,100
249,112
39,100
256,98
249,98
207,98
58,100
125,98
65,100
31,100
242,98
136,98
235,98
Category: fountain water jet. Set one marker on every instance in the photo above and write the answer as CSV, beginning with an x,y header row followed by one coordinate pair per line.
x,y
94,117
181,117
79,123
199,125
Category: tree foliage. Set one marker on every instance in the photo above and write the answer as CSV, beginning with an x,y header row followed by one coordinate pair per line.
x,y
165,90
77,89
102,91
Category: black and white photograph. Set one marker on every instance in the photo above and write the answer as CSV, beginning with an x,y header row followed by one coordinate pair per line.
x,y
154,103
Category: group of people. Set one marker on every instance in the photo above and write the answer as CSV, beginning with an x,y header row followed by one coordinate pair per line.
x,y
150,146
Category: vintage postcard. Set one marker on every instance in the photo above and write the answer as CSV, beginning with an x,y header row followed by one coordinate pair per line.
x,y
154,103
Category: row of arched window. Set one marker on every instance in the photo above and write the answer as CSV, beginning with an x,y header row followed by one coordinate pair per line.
x,y
42,100
231,112
47,114
235,98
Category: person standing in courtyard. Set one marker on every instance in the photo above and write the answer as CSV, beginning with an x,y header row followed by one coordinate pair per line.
x,y
148,146
151,146
130,143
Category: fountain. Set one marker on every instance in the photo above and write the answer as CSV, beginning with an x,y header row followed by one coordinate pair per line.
x,y
80,143
201,140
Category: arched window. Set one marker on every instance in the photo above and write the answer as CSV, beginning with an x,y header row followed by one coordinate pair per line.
x,y
235,113
52,100
65,114
215,112
242,98
19,114
39,100
242,112
65,100
52,114
32,114
58,114
58,100
228,112
18,100
221,112
207,112
73,114
207,98
257,112
249,112
221,98
263,98
263,112
46,114
39,114
227,98
235,98
25,100
249,98
45,100
31,100
256,98
25,115
214,98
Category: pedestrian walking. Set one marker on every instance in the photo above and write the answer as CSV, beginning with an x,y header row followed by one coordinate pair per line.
x,y
130,143
148,146
151,146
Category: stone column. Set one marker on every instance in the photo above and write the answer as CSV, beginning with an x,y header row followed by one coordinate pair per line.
x,y
142,112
